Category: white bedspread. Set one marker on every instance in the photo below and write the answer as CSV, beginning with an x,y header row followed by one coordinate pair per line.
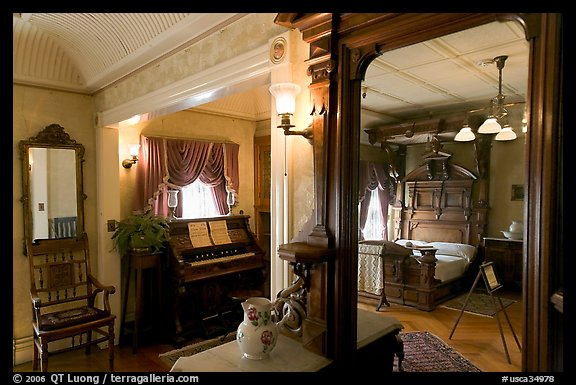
x,y
448,267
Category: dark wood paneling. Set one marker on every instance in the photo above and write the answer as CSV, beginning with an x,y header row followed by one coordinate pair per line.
x,y
354,41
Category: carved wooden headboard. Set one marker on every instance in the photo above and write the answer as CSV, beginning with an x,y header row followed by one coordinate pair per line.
x,y
439,203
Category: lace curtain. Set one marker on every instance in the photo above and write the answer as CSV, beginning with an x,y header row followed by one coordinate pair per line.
x,y
375,176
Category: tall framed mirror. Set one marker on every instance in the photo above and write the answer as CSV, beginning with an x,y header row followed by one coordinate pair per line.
x,y
52,185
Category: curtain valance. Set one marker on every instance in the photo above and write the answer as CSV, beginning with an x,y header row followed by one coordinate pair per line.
x,y
166,163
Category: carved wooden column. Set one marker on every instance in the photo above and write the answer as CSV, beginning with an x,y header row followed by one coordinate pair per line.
x,y
312,257
428,261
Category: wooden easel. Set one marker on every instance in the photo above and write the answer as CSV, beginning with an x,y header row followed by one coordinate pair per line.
x,y
492,284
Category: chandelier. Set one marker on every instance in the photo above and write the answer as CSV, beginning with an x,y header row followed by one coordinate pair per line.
x,y
497,120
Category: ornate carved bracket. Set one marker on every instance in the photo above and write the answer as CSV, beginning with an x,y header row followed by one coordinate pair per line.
x,y
296,300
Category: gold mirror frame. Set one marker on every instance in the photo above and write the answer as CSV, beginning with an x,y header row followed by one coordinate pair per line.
x,y
52,136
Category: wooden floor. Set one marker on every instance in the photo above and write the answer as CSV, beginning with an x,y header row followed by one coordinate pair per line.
x,y
476,337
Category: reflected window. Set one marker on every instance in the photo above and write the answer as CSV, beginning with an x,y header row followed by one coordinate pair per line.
x,y
198,201
374,228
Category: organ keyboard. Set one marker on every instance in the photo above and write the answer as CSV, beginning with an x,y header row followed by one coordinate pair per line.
x,y
200,277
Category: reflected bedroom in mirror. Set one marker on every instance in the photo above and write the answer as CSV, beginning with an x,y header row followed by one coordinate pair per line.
x,y
420,185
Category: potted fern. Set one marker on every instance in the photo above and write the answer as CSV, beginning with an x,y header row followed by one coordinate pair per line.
x,y
141,232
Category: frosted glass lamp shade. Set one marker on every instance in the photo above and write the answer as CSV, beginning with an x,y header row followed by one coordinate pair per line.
x,y
506,134
134,149
172,198
230,198
490,126
465,135
285,95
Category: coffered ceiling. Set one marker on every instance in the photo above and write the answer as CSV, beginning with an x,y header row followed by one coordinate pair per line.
x,y
448,75
86,52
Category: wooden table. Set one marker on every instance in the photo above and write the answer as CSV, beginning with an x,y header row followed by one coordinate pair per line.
x,y
507,257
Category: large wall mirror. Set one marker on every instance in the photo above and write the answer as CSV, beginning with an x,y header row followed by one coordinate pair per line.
x,y
430,90
52,185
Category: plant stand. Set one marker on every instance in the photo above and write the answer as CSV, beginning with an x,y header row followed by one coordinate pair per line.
x,y
137,263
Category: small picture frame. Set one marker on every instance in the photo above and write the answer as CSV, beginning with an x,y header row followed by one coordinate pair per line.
x,y
490,278
517,192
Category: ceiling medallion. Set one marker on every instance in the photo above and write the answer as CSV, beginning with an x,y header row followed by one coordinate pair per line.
x,y
278,50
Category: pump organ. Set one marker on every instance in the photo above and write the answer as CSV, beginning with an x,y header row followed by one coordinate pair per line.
x,y
200,279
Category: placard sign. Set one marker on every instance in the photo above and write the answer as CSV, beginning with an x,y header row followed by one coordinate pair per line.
x,y
490,278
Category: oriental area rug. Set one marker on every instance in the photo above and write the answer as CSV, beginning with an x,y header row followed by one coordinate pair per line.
x,y
478,303
425,352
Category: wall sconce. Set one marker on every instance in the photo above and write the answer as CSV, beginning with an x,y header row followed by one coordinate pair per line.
x,y
127,163
285,95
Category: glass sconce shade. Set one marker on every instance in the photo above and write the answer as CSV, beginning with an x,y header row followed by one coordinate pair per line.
x,y
506,134
134,149
285,95
490,126
172,198
230,200
465,135
172,203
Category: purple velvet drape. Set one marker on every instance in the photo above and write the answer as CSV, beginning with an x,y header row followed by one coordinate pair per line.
x,y
151,177
374,176
175,163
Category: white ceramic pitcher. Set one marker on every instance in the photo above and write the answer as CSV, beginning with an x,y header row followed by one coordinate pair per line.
x,y
258,333
516,227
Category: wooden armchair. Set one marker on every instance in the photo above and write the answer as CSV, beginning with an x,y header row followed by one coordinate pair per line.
x,y
63,293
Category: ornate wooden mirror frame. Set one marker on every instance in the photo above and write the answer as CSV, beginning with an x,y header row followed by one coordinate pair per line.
x,y
56,188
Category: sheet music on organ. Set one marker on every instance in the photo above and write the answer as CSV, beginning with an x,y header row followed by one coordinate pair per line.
x,y
198,232
219,232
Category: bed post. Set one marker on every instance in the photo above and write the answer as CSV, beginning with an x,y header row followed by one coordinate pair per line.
x,y
426,288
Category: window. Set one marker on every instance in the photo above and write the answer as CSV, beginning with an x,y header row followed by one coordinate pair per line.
x,y
374,227
197,201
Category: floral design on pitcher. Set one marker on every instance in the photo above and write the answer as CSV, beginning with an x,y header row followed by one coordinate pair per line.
x,y
267,339
257,318
253,315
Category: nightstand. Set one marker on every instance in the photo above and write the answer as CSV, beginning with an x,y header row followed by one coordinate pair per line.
x,y
507,257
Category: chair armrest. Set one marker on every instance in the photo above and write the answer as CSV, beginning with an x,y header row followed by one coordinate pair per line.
x,y
36,304
106,288
36,300
100,288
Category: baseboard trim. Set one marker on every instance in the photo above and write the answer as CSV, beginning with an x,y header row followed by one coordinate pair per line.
x,y
23,350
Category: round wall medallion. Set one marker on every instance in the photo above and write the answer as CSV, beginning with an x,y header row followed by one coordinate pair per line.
x,y
278,50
